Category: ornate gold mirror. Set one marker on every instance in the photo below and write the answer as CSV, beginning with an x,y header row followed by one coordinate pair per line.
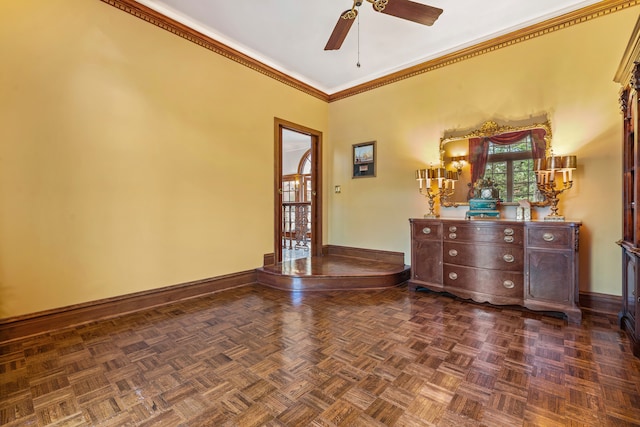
x,y
502,153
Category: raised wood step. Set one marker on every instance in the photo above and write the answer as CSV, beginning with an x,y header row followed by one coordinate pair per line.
x,y
333,272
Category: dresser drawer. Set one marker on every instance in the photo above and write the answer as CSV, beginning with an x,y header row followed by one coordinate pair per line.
x,y
495,257
550,237
483,233
490,282
429,230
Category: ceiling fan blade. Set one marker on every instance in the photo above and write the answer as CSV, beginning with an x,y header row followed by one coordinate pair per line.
x,y
341,30
412,11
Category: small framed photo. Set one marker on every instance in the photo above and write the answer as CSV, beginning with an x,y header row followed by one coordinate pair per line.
x,y
364,160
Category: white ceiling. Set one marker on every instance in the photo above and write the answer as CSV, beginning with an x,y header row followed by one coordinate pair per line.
x,y
295,141
290,35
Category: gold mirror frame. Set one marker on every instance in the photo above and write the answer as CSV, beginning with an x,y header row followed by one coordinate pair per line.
x,y
489,129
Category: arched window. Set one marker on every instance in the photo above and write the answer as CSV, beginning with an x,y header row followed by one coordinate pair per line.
x,y
297,187
304,170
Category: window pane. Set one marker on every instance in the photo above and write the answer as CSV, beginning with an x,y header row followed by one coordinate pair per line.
x,y
510,167
497,172
306,166
500,149
524,145
308,189
523,180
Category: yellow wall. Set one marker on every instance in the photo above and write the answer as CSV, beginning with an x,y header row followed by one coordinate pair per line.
x,y
130,159
566,74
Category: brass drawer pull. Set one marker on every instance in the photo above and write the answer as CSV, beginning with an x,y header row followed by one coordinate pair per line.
x,y
453,276
548,237
453,229
508,284
453,252
509,239
452,236
426,230
508,258
508,231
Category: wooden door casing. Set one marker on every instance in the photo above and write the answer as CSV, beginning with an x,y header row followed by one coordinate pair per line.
x,y
316,182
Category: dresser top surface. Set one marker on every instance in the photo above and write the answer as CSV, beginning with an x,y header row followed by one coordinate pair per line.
x,y
484,221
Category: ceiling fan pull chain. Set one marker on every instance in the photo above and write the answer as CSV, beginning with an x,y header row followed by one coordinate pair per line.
x,y
358,63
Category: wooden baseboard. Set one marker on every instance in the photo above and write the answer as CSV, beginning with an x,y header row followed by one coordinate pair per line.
x,y
36,323
372,254
269,259
600,303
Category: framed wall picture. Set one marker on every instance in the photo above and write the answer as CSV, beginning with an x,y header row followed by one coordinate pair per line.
x,y
364,160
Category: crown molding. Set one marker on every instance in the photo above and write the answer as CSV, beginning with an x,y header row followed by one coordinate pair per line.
x,y
559,23
585,14
151,16
631,54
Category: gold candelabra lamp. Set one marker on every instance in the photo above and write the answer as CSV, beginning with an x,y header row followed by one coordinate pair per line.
x,y
436,182
547,172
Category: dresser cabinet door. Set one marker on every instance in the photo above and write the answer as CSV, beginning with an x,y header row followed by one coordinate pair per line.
x,y
551,269
426,253
428,263
549,276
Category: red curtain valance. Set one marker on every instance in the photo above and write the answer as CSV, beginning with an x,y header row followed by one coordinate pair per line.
x,y
479,148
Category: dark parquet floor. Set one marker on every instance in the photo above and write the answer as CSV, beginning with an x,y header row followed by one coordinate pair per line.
x,y
255,356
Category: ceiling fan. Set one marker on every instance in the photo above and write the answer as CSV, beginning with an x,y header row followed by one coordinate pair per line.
x,y
405,9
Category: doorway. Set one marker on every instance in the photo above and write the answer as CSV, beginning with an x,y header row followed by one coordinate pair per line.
x,y
297,191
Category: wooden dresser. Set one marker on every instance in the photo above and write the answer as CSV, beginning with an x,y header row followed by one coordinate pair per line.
x,y
628,75
533,264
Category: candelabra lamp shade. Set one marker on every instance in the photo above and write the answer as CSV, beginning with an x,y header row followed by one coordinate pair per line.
x,y
554,163
548,170
569,164
539,164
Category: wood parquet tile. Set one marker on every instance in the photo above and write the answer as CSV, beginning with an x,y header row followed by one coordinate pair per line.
x,y
255,356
